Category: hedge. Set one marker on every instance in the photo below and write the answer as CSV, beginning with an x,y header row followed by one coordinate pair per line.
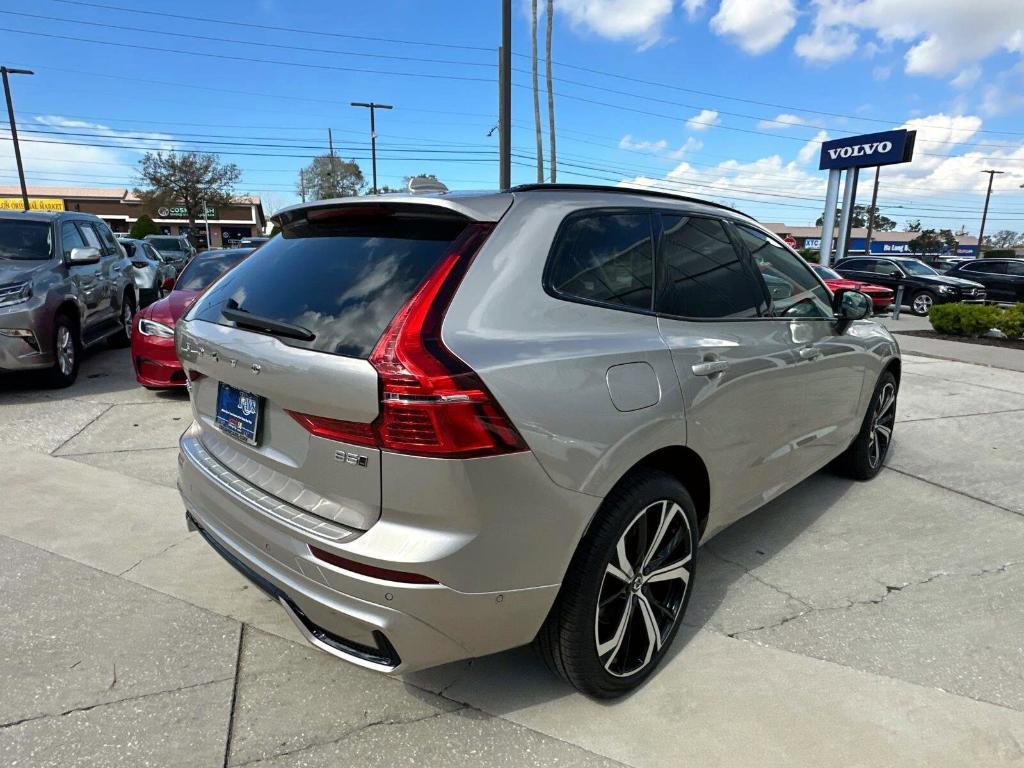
x,y
977,319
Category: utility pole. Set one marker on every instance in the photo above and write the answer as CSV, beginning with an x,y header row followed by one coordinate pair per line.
x,y
505,98
206,220
984,213
871,213
334,166
373,133
14,128
302,184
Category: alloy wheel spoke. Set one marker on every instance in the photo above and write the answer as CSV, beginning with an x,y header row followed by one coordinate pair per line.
x,y
651,625
675,570
613,645
625,567
884,431
667,513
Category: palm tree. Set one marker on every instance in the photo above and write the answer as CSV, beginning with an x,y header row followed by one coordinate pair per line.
x,y
536,98
551,93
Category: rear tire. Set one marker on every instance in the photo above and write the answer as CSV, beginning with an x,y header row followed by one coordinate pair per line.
x,y
626,589
866,455
123,337
67,350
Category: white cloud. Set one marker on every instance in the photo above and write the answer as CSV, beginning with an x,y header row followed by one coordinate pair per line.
x,y
966,78
640,21
781,122
703,120
626,142
826,44
757,26
693,7
940,133
881,72
943,36
690,145
812,149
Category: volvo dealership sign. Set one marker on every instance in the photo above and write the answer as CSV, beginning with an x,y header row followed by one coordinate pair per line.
x,y
885,148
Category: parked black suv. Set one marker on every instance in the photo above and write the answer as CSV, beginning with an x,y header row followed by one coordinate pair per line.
x,y
1003,278
65,283
922,285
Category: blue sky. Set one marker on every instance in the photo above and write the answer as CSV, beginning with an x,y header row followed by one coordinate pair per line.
x,y
737,94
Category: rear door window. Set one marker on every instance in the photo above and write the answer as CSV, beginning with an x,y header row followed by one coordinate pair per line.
x,y
701,274
342,279
604,257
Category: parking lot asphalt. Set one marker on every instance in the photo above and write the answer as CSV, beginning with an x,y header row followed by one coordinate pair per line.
x,y
843,624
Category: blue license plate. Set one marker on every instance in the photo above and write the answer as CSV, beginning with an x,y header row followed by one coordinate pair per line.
x,y
238,413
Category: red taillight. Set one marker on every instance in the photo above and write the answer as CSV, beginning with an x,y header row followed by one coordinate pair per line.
x,y
373,571
432,403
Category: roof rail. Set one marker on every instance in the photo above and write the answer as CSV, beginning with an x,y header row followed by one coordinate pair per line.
x,y
627,190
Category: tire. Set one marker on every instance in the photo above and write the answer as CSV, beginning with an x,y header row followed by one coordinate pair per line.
x,y
866,455
922,302
123,337
67,351
609,628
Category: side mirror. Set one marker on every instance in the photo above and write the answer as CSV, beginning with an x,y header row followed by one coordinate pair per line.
x,y
168,284
850,305
895,273
84,256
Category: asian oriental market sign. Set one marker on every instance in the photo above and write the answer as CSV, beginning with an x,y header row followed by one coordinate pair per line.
x,y
34,204
181,212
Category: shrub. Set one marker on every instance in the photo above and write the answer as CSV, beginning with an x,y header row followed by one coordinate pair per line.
x,y
1011,321
144,226
964,319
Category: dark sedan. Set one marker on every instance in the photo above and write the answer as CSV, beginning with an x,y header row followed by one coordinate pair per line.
x,y
922,285
1003,278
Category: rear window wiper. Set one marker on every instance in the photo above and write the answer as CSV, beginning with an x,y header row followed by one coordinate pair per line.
x,y
245,319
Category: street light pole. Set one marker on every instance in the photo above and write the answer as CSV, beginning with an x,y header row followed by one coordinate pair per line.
x,y
984,214
206,220
14,128
373,133
505,98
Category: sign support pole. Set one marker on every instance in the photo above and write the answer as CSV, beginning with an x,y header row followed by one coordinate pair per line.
x,y
829,217
849,193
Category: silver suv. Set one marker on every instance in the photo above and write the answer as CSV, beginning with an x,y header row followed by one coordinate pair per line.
x,y
436,427
65,283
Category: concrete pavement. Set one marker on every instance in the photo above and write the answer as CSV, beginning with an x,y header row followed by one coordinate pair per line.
x,y
856,624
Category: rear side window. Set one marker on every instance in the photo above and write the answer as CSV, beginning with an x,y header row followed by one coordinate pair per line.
x,y
702,274
1015,268
992,268
605,257
342,279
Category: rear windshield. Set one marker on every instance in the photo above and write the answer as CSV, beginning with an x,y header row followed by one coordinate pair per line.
x,y
25,240
167,244
207,267
342,280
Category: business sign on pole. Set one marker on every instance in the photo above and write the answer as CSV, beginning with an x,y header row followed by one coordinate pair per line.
x,y
34,204
869,149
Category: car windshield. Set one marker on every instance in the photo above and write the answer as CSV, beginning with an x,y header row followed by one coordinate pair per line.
x,y
167,244
825,273
207,267
914,267
25,240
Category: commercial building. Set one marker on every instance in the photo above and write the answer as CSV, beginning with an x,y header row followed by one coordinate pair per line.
x,y
882,243
120,208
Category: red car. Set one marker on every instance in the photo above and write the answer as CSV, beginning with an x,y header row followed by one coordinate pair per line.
x,y
881,297
156,364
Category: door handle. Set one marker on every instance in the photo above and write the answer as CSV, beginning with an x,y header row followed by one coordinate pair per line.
x,y
709,368
809,353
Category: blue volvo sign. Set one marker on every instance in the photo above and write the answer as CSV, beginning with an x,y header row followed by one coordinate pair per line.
x,y
869,149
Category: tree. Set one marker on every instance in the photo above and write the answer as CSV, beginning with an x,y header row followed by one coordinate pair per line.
x,y
932,241
860,216
551,92
188,180
536,94
913,225
329,176
1005,238
143,226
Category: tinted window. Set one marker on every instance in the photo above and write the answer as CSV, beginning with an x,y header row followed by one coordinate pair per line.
x,y
167,244
914,267
207,267
859,265
701,272
91,238
794,290
341,279
605,257
70,238
1015,268
998,267
109,243
129,248
24,239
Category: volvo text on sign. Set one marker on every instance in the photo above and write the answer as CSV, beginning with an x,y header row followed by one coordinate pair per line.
x,y
870,149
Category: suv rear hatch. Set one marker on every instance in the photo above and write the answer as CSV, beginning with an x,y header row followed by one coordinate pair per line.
x,y
285,352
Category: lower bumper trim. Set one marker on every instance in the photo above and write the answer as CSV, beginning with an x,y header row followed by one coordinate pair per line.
x,y
383,655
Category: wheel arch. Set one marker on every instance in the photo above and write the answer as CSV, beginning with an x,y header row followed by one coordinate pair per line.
x,y
70,308
895,367
685,465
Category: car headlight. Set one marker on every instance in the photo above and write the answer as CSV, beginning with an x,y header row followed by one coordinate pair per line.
x,y
15,293
947,289
153,328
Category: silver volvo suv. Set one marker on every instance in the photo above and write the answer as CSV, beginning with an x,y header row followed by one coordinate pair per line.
x,y
437,427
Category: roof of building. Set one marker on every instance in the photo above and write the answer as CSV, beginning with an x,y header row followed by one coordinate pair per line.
x,y
879,235
123,194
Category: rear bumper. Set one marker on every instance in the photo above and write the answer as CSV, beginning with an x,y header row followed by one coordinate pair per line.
x,y
384,625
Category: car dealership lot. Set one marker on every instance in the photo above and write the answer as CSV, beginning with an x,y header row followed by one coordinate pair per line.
x,y
854,624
